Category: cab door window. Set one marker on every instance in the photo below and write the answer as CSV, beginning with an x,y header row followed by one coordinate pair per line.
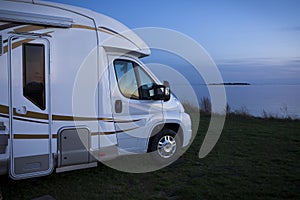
x,y
145,84
131,79
126,78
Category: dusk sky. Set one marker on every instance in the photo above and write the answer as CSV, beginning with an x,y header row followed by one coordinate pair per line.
x,y
254,41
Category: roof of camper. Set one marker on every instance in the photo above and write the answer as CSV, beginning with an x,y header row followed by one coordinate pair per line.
x,y
99,19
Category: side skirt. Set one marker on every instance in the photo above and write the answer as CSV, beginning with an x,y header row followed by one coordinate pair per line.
x,y
76,167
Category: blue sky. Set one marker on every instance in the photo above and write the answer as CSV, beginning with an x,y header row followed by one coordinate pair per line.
x,y
254,41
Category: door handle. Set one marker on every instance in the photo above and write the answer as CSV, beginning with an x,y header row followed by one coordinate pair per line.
x,y
118,106
2,126
22,110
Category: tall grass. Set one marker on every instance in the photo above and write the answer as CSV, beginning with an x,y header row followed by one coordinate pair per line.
x,y
205,105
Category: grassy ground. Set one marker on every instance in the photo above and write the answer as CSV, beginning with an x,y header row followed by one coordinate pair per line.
x,y
254,159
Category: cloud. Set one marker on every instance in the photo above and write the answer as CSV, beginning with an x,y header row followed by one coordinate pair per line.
x,y
261,70
259,62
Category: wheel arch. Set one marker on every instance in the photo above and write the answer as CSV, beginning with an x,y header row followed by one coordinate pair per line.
x,y
172,126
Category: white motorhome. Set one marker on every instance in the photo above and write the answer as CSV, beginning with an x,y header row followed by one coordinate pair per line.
x,y
73,92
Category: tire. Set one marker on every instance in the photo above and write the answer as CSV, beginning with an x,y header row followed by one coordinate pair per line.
x,y
165,147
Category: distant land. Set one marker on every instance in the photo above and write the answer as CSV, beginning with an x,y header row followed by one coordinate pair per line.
x,y
229,83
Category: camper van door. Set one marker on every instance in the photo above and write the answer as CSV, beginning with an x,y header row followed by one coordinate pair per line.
x,y
30,116
135,112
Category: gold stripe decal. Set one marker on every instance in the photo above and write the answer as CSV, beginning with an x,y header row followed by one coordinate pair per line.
x,y
54,136
126,121
4,109
43,116
17,44
71,118
29,120
29,28
33,115
113,132
32,136
83,27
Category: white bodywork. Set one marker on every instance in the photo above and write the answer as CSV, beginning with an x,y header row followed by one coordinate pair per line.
x,y
80,91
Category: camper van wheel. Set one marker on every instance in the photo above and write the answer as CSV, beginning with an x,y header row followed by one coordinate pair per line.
x,y
165,146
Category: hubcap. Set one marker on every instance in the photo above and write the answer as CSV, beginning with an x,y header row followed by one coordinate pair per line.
x,y
166,146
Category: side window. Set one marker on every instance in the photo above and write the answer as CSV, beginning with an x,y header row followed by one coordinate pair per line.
x,y
133,81
126,77
34,74
145,84
144,78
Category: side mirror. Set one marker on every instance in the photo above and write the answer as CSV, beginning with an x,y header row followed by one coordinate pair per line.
x,y
162,92
167,91
146,92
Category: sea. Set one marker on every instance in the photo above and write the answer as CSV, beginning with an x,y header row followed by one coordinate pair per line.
x,y
280,101
273,99
277,100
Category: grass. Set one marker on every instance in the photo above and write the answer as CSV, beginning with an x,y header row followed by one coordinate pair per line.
x,y
253,159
